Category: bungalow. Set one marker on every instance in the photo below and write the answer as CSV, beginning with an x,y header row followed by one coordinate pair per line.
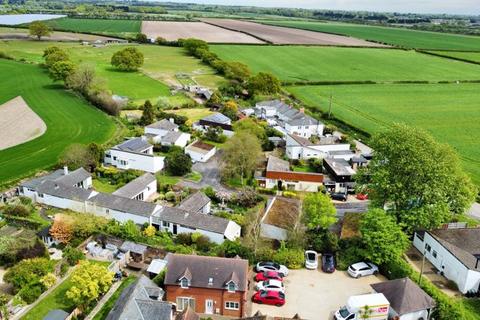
x,y
455,253
142,188
407,300
200,151
301,148
341,174
278,174
136,153
281,216
208,285
166,133
215,120
141,300
197,202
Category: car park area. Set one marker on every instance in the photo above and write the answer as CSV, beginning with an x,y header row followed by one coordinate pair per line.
x,y
311,293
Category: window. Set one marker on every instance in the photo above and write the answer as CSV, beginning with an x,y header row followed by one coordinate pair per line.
x,y
428,248
183,303
108,156
434,253
231,305
114,158
231,287
184,283
165,224
40,195
107,211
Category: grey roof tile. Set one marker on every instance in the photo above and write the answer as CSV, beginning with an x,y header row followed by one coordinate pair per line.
x,y
57,189
218,118
123,204
134,145
133,188
172,137
163,124
195,202
74,177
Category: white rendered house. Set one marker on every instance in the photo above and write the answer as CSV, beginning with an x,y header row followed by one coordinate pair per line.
x,y
200,151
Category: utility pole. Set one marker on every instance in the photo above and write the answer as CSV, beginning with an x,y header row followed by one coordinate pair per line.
x,y
330,107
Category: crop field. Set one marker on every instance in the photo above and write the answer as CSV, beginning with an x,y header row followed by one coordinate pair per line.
x,y
280,35
393,36
160,67
111,27
470,56
68,118
314,64
449,111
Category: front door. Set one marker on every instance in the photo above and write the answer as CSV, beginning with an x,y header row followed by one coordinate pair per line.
x,y
209,306
174,229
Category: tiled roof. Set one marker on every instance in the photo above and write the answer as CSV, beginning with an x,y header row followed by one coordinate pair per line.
x,y
63,191
123,204
218,118
172,136
207,272
164,124
74,177
195,202
134,145
136,186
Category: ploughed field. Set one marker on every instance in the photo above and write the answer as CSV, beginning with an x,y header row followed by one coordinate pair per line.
x,y
451,112
280,35
323,64
69,120
394,36
160,66
114,27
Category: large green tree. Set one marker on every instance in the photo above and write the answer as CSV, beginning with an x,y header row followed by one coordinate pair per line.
x,y
89,282
148,115
418,179
318,211
240,155
128,59
61,70
237,71
178,163
39,29
264,83
383,239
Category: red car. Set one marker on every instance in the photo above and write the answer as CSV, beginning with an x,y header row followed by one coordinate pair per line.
x,y
266,275
362,196
275,298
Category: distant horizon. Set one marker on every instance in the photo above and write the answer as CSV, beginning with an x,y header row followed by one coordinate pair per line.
x,y
459,7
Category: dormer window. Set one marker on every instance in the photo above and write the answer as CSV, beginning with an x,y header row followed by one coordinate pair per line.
x,y
231,287
210,281
184,283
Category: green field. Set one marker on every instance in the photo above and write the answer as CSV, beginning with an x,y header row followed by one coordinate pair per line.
x,y
161,65
394,36
297,63
68,118
111,27
470,56
449,111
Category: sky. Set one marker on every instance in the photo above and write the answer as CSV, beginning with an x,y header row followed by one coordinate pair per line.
x,y
413,6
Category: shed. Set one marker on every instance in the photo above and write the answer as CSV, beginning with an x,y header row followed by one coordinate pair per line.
x,y
137,251
156,266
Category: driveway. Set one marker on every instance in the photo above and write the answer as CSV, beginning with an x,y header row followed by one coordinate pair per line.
x,y
316,295
210,172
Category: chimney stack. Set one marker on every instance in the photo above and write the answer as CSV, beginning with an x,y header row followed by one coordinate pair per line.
x,y
65,170
172,120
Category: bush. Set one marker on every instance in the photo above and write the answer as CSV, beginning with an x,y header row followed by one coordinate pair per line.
x,y
202,242
31,292
292,258
17,211
267,191
184,238
63,269
170,196
28,272
160,278
289,194
73,255
26,201
350,252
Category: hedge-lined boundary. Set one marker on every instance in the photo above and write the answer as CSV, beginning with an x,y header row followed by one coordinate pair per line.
x,y
450,57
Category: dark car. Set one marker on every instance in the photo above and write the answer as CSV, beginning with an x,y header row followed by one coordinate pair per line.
x,y
338,196
266,275
275,298
328,262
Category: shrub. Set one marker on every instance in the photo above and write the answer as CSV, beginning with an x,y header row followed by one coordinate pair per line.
x,y
28,272
289,194
203,243
350,252
17,211
170,196
63,269
160,278
31,292
73,255
292,258
184,238
26,201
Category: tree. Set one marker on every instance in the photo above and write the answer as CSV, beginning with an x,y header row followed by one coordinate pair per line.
x,y
178,163
27,272
237,71
148,115
192,45
89,282
55,56
240,155
215,134
128,59
79,155
82,79
264,83
73,255
230,109
319,211
62,229
48,280
61,70
39,29
141,38
419,180
383,240
150,231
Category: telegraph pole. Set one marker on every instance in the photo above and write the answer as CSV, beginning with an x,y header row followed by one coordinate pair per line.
x,y
330,107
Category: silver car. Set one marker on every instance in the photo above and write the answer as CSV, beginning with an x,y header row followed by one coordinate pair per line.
x,y
362,269
311,259
272,266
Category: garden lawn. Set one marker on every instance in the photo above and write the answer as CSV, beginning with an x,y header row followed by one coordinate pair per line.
x,y
111,27
107,307
55,300
193,114
450,112
160,67
470,56
394,36
69,119
314,64
102,185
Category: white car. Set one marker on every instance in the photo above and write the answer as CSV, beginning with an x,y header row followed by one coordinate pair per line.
x,y
362,269
272,266
270,285
311,259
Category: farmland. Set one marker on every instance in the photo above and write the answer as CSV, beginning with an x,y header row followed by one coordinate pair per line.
x,y
469,56
161,65
394,36
449,111
310,64
68,118
114,27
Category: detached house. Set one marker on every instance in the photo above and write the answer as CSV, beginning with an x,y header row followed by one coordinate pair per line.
x,y
340,175
455,253
200,151
136,153
215,120
208,285
166,133
298,147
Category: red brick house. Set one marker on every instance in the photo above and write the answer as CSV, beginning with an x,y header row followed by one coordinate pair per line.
x,y
208,285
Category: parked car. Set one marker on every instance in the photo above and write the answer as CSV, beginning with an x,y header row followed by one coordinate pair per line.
x,y
362,269
275,298
311,259
272,266
262,276
328,263
270,285
362,196
338,196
